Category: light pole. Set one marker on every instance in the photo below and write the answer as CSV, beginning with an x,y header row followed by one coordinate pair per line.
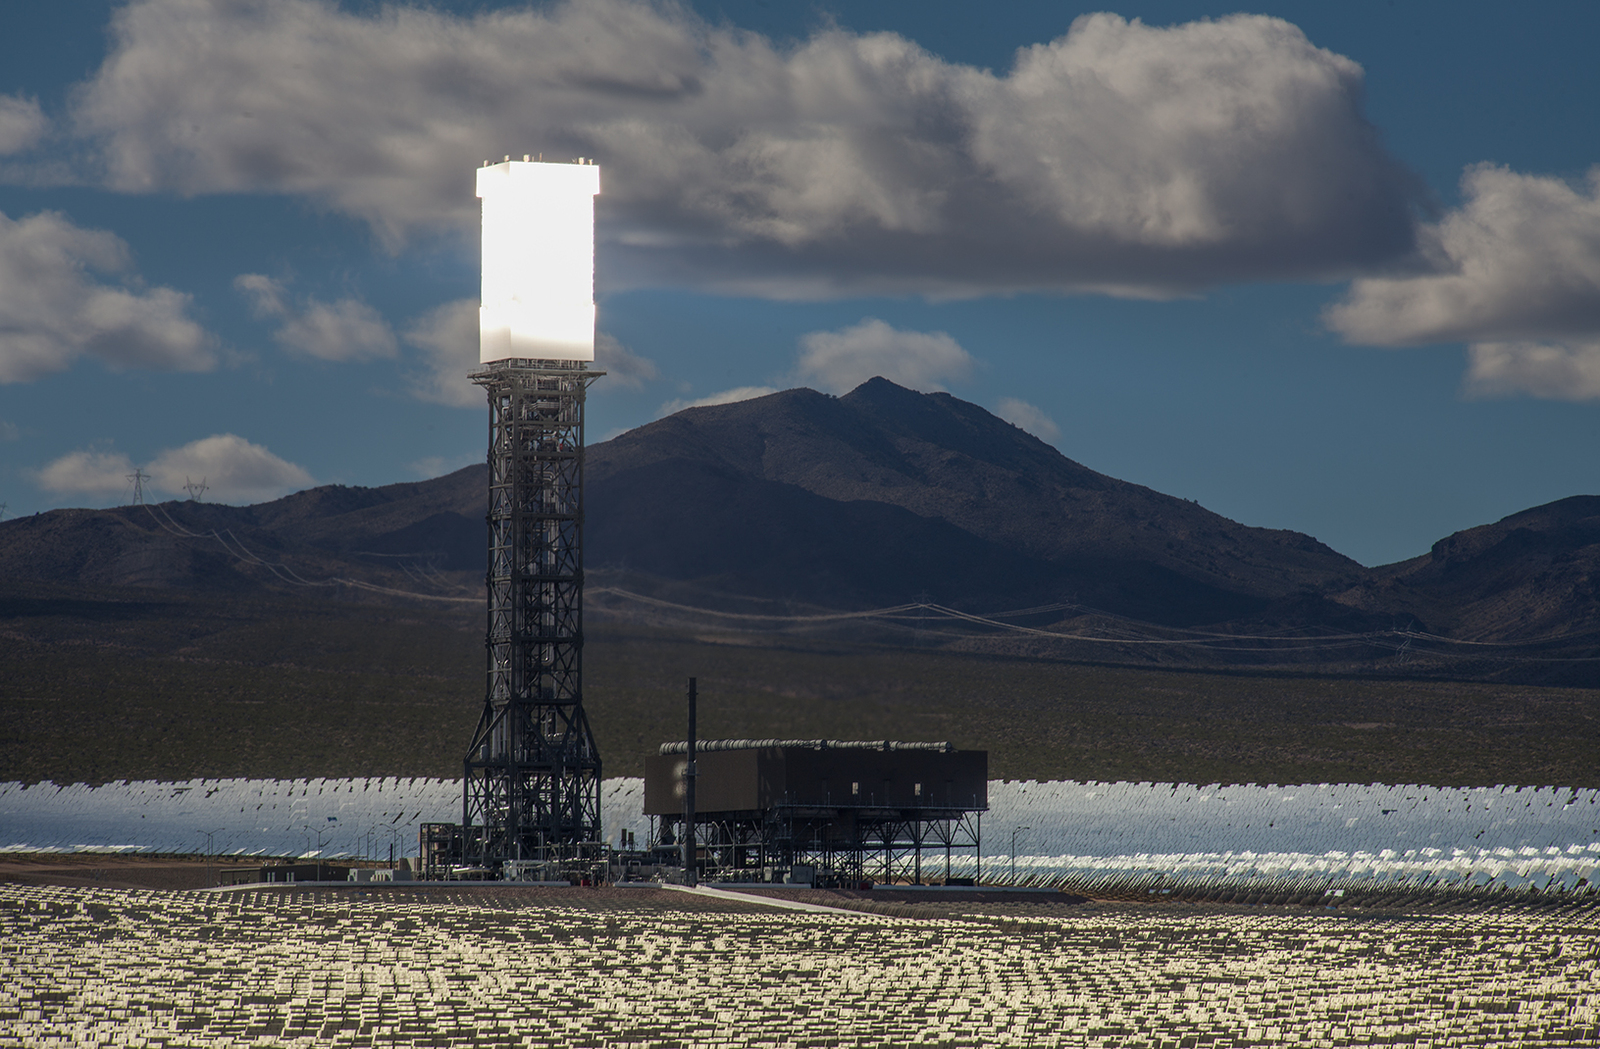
x,y
321,844
1014,832
210,852
690,852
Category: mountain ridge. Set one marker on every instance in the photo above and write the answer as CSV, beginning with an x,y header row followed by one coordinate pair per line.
x,y
944,459
879,497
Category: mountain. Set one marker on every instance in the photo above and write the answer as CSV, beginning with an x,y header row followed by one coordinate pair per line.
x,y
877,498
1525,578
885,493
379,536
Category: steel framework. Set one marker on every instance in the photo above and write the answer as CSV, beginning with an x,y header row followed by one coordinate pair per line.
x,y
849,843
531,789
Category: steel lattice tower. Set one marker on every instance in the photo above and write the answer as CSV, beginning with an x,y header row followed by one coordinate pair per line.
x,y
532,784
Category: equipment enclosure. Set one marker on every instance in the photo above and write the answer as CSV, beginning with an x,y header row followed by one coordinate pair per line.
x,y
752,781
854,811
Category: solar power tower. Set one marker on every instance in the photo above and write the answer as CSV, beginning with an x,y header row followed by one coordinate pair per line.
x,y
532,785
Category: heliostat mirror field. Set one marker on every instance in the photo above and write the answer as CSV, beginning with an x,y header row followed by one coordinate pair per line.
x,y
647,967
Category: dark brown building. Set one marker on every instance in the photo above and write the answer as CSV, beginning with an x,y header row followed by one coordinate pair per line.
x,y
851,809
757,775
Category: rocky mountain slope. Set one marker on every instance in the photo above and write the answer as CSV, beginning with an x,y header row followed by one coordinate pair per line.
x,y
880,497
383,536
1531,576
885,493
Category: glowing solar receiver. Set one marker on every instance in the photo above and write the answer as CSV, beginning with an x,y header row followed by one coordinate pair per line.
x,y
538,261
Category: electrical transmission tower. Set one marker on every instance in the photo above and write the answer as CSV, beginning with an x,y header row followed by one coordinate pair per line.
x,y
138,477
532,785
195,490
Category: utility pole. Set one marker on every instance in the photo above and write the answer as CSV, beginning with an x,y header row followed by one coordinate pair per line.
x,y
138,477
211,854
1014,832
689,851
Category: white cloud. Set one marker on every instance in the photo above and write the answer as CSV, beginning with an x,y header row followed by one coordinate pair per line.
x,y
447,335
1025,416
346,330
22,123
738,393
1515,271
233,469
622,366
439,465
87,472
1561,372
1520,259
53,311
1120,157
839,361
266,294
448,338
9,431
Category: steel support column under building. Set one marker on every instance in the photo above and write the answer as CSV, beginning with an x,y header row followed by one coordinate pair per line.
x,y
532,784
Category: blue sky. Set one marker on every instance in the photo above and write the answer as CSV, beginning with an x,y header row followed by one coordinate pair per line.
x,y
1333,268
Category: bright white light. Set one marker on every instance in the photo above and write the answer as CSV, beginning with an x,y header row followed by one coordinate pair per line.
x,y
538,261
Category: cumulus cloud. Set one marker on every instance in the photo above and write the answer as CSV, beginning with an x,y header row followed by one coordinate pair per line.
x,y
89,471
839,361
1557,371
1028,417
266,294
1519,259
347,330
439,465
622,366
738,393
1120,156
1515,272
22,123
447,335
53,310
233,469
448,338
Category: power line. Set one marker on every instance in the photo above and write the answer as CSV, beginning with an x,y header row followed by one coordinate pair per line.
x,y
917,612
281,570
1400,641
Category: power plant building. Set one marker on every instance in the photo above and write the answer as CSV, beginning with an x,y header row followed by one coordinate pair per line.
x,y
856,809
532,772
